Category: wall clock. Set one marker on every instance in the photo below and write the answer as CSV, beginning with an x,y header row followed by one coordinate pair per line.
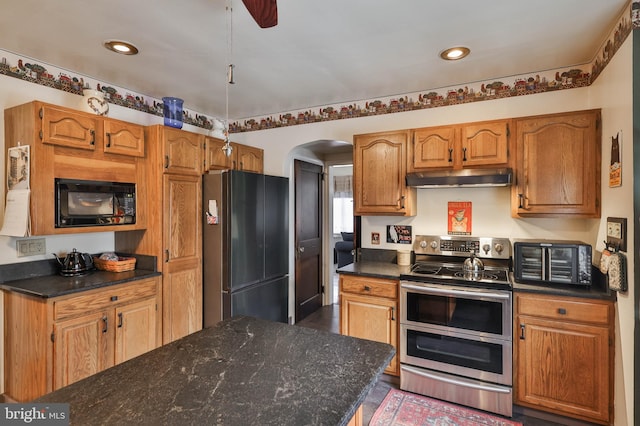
x,y
617,233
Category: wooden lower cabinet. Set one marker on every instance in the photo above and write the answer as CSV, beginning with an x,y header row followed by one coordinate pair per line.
x,y
81,347
51,343
369,310
563,356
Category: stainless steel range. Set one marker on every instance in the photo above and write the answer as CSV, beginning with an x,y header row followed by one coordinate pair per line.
x,y
456,322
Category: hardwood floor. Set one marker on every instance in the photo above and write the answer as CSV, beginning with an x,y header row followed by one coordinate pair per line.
x,y
327,318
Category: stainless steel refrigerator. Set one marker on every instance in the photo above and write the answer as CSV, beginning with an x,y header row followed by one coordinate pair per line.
x,y
245,246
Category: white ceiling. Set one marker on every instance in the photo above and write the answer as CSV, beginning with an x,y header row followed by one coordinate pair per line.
x,y
320,53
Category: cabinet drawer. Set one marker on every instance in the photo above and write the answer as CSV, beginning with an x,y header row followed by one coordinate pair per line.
x,y
100,299
587,311
369,286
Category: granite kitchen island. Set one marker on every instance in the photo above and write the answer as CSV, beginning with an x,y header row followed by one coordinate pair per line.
x,y
243,371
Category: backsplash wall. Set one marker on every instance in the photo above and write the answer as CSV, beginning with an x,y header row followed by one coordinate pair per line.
x,y
491,217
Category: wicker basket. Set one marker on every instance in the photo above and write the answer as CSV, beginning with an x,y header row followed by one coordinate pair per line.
x,y
121,265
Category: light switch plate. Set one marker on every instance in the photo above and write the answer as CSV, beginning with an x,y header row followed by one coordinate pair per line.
x,y
30,246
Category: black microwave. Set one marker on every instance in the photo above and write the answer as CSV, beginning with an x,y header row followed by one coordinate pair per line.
x,y
552,262
94,203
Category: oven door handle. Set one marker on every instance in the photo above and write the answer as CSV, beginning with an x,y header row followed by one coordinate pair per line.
x,y
485,387
452,291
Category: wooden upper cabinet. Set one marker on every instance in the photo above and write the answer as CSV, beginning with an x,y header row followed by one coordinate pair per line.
x,y
215,158
182,150
380,168
243,157
433,147
123,138
485,144
459,146
70,144
558,165
248,158
65,127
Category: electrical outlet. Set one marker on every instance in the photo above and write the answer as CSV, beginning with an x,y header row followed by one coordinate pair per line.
x,y
31,247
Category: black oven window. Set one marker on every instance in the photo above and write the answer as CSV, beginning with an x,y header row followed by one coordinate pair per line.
x,y
481,356
467,314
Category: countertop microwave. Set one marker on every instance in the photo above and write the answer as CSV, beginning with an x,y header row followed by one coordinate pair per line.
x,y
552,262
82,203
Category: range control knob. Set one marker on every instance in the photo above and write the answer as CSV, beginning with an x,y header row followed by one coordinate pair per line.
x,y
423,244
498,247
486,248
434,244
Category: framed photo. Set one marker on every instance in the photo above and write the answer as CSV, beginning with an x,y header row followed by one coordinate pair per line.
x,y
459,218
399,234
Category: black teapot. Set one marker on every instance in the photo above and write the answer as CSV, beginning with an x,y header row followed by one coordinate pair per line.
x,y
75,264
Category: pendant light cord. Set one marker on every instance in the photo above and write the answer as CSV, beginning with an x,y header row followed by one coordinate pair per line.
x,y
227,148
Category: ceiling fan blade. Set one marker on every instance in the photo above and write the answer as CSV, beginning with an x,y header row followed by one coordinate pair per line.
x,y
264,12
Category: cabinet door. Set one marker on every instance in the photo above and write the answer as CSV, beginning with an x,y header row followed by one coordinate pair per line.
x,y
248,159
563,367
83,346
379,166
182,152
558,165
63,127
433,148
123,138
215,158
135,329
372,318
485,144
182,271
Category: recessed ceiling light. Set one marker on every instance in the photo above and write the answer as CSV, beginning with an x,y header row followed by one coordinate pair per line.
x,y
121,47
454,53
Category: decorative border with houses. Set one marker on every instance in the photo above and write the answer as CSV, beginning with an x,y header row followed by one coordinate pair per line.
x,y
517,86
522,85
27,69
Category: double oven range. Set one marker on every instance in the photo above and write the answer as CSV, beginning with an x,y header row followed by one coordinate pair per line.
x,y
456,324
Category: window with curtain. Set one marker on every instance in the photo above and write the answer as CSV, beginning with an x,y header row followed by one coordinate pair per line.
x,y
342,204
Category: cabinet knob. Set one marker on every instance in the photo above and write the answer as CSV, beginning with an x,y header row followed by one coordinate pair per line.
x,y
562,311
464,154
451,155
105,322
367,288
108,140
120,319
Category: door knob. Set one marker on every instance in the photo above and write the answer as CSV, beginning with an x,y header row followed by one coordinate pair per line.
x,y
301,249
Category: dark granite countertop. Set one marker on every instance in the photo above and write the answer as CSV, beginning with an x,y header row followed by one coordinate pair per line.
x,y
374,269
40,278
242,371
386,269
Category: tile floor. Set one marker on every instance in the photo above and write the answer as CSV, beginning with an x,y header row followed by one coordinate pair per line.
x,y
327,319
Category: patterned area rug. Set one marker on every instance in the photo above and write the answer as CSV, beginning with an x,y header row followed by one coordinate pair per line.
x,y
401,408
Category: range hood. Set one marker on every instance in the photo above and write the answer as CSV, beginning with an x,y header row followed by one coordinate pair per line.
x,y
461,178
